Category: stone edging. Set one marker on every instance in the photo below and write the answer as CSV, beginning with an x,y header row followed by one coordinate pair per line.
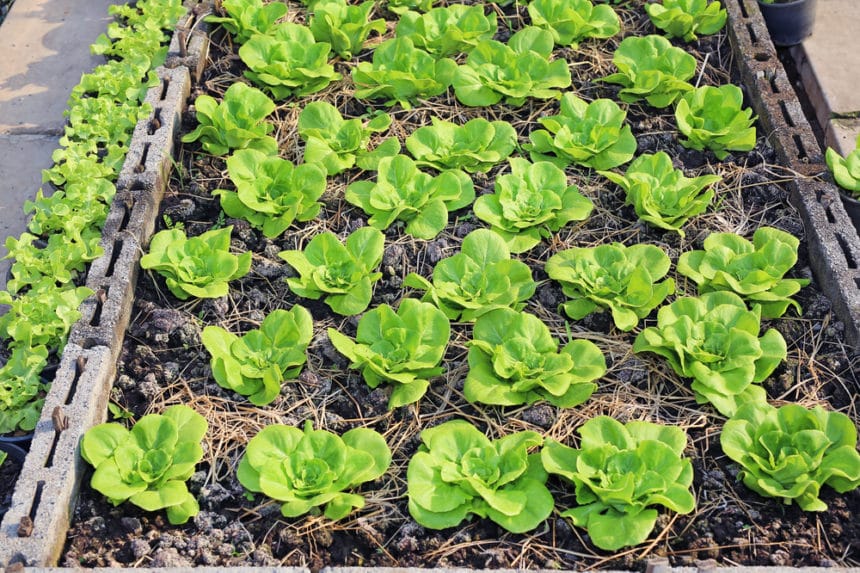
x,y
47,489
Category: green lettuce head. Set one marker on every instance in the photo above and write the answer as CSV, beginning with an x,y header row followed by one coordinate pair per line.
x,y
714,118
149,464
714,340
305,470
620,472
459,472
791,452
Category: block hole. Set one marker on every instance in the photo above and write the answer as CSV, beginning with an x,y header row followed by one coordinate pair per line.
x,y
801,150
774,87
114,257
744,12
80,366
141,165
857,282
37,499
846,250
785,114
753,36
49,463
762,57
165,86
155,123
101,298
128,207
828,212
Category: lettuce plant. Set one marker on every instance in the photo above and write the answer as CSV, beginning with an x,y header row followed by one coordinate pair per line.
x,y
22,390
198,266
289,62
341,273
588,134
714,118
458,472
404,193
660,194
238,122
255,364
480,278
511,72
714,340
400,7
345,27
401,73
449,30
148,465
791,452
403,348
651,68
620,472
513,359
43,315
687,18
307,469
845,170
753,270
245,18
571,21
531,202
337,143
475,146
61,260
622,279
271,193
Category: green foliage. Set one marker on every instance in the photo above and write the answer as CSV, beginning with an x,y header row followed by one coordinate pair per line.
x,y
686,18
199,266
511,72
458,472
713,118
791,452
404,193
401,73
271,193
845,170
148,465
448,30
312,468
620,471
480,278
661,194
651,68
344,27
401,6
714,340
341,273
571,21
255,364
238,122
753,270
245,18
622,279
531,202
475,146
22,391
588,134
3,456
288,63
43,315
403,348
513,360
337,143
61,260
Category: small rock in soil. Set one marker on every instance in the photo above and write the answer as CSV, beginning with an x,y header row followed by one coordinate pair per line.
x,y
169,557
132,525
541,415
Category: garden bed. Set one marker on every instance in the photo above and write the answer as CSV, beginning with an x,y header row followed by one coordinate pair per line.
x,y
162,362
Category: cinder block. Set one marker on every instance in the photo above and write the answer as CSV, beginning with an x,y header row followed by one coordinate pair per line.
x,y
47,488
189,46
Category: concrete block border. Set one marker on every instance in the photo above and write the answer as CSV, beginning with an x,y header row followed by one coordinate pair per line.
x,y
32,533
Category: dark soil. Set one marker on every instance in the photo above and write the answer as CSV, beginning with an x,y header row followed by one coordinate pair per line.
x,y
163,362
9,471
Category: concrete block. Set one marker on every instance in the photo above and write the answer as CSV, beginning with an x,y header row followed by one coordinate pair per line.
x,y
46,491
189,46
131,216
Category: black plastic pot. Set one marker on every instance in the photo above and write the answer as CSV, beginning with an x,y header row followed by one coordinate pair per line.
x,y
16,453
852,207
789,23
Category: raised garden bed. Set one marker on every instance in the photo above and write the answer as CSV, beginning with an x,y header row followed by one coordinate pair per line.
x,y
162,361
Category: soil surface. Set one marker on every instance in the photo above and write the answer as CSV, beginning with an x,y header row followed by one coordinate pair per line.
x,y
10,469
163,362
